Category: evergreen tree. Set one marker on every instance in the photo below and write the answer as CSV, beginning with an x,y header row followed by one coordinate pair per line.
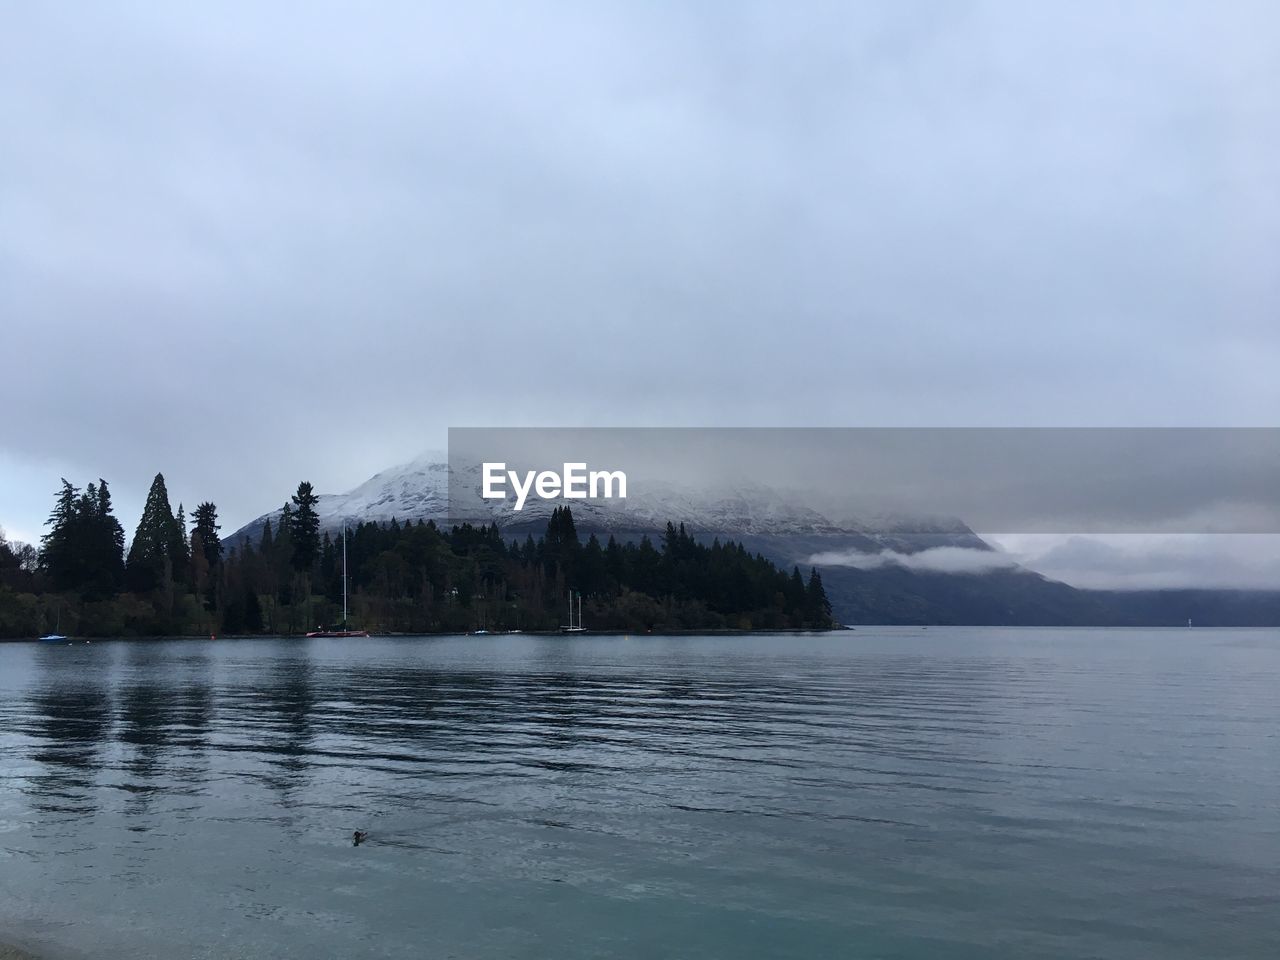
x,y
206,519
282,556
156,547
83,550
113,548
560,546
305,528
817,606
180,548
105,547
56,547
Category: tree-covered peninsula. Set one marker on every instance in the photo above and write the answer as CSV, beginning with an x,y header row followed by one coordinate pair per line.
x,y
178,578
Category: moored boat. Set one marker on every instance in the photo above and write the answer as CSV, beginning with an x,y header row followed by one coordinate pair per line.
x,y
344,631
572,627
55,637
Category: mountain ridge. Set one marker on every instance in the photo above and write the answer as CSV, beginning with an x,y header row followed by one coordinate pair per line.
x,y
770,522
419,490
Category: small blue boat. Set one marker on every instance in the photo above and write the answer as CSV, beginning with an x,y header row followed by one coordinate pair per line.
x,y
55,637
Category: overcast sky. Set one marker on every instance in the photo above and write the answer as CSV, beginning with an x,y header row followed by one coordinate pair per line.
x,y
251,244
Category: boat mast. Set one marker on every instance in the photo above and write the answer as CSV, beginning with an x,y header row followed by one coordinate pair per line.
x,y
579,609
344,576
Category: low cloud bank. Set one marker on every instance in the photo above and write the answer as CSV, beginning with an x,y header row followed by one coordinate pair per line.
x,y
932,560
1152,562
1100,562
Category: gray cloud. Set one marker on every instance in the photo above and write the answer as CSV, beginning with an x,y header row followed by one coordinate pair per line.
x,y
1191,480
1100,562
1152,561
932,560
246,245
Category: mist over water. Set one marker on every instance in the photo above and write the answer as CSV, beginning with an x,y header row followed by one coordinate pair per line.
x,y
877,793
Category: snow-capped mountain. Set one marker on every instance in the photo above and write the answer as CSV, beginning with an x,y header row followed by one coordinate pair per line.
x,y
860,557
420,489
415,490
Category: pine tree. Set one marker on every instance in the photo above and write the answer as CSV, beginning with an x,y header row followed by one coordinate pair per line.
x,y
206,519
114,532
181,546
84,541
83,550
305,528
561,546
817,606
156,550
105,550
282,556
57,547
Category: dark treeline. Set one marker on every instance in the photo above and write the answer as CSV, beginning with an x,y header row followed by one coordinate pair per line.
x,y
178,578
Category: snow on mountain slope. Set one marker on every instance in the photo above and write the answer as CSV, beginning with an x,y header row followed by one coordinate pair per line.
x,y
419,489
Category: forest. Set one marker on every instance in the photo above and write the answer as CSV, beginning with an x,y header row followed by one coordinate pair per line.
x,y
178,578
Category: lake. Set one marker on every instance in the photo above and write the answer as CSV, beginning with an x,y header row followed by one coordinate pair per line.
x,y
879,793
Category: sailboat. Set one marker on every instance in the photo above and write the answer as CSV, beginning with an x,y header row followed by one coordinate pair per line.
x,y
572,627
55,636
344,632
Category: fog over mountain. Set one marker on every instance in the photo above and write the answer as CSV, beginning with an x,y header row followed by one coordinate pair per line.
x,y
789,531
420,490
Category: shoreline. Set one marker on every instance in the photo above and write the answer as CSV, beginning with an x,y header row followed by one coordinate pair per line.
x,y
8,951
638,634
721,632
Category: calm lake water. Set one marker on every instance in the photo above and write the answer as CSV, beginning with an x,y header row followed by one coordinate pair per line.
x,y
949,793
